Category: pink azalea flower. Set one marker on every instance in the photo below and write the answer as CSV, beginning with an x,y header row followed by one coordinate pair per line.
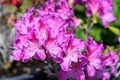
x,y
56,47
46,35
64,10
61,10
103,9
54,50
106,18
17,54
40,30
110,59
25,23
92,7
29,47
103,74
93,53
100,75
74,49
75,73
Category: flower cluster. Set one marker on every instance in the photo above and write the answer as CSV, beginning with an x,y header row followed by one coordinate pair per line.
x,y
97,8
42,32
48,33
103,9
92,64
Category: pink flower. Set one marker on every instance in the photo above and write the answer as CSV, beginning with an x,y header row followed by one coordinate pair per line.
x,y
100,75
27,41
40,30
102,9
56,47
73,51
64,10
61,10
45,34
103,74
34,30
93,53
26,23
110,59
92,7
54,50
106,18
76,73
27,46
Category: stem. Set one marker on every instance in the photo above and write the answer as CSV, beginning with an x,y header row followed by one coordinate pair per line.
x,y
86,28
86,34
91,25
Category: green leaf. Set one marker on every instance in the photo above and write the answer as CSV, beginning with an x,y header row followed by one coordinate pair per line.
x,y
114,30
26,4
79,8
11,9
80,34
96,33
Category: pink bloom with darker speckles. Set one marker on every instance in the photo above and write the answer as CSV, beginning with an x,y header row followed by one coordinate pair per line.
x,y
103,9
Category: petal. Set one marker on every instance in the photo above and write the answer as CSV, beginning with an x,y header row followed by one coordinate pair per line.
x,y
65,64
96,63
28,54
17,55
90,70
108,17
40,55
114,70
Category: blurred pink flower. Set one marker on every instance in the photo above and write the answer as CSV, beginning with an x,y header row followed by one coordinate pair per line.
x,y
76,73
102,9
119,39
110,59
